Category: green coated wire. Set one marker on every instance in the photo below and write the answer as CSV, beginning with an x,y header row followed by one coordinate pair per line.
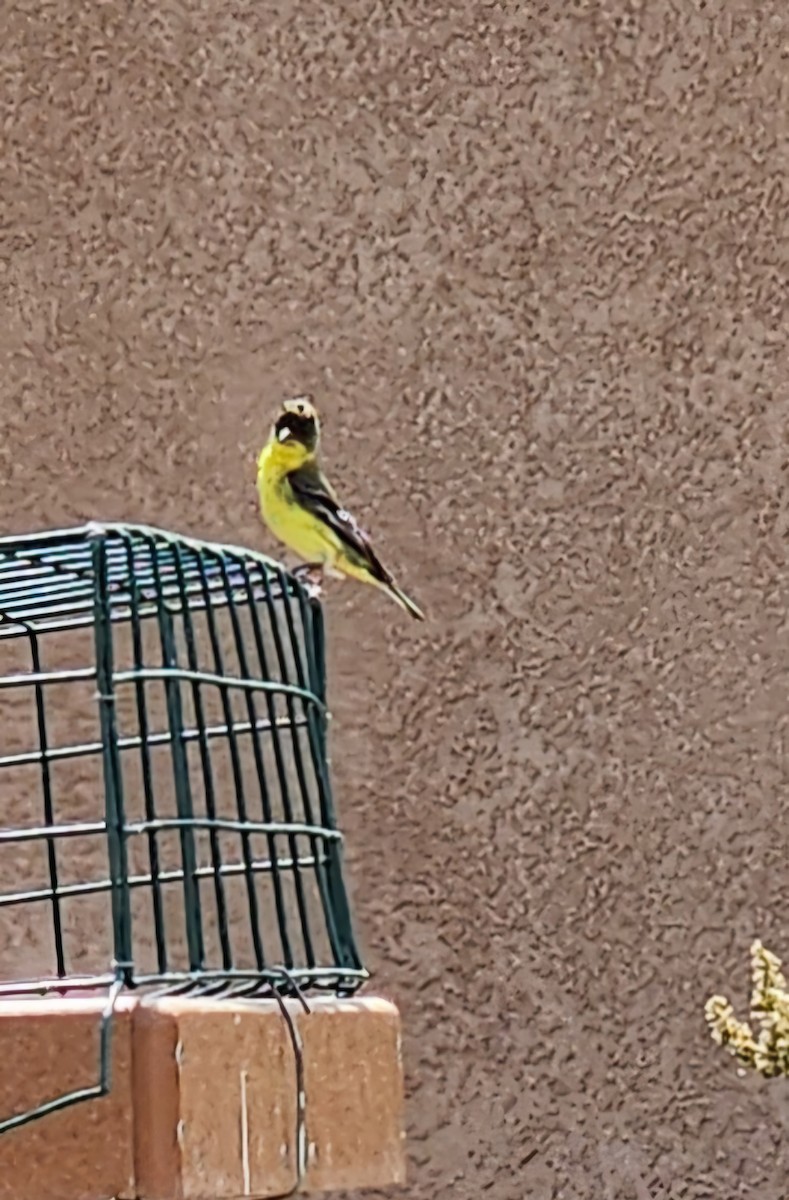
x,y
113,779
207,771
238,781
317,724
144,742
291,693
326,884
49,810
279,761
183,792
265,801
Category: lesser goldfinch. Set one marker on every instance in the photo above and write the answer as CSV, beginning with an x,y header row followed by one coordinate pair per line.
x,y
301,508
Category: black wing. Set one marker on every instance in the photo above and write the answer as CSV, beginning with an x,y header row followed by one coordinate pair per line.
x,y
314,492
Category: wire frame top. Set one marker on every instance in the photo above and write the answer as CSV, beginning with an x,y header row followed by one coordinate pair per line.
x,y
45,577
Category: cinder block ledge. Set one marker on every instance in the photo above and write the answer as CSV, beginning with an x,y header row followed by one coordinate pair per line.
x,y
210,1100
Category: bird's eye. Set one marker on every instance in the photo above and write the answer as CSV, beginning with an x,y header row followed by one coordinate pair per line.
x,y
300,409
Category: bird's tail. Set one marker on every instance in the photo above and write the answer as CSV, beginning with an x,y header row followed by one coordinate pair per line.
x,y
404,601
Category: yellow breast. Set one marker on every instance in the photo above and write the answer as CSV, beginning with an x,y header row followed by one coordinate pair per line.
x,y
282,513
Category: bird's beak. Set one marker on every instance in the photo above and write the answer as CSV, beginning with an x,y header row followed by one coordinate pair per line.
x,y
283,434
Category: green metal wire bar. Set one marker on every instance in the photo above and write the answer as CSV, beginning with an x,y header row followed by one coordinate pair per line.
x,y
148,533
81,829
134,742
66,556
56,986
240,793
208,773
265,804
279,760
113,777
42,678
14,565
41,832
49,808
332,979
180,766
325,877
26,564
51,575
298,759
76,535
75,539
78,613
258,866
144,742
318,723
183,797
72,579
36,614
267,828
328,977
248,685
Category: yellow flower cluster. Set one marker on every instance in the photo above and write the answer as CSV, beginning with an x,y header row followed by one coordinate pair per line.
x,y
769,1053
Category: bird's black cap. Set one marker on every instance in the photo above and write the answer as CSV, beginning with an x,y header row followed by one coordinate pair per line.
x,y
298,422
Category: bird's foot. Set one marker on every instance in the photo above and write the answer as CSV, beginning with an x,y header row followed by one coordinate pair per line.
x,y
311,576
307,570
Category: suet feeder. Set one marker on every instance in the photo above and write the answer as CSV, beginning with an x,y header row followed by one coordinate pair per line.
x,y
166,816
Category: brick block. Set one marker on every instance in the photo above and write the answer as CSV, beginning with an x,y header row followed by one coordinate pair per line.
x,y
215,1101
204,1099
85,1152
354,1090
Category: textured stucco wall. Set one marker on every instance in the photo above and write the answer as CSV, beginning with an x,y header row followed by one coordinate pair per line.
x,y
533,258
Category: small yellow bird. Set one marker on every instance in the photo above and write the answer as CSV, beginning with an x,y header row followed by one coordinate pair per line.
x,y
301,509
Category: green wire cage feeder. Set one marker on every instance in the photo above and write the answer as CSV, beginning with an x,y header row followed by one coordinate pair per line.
x,y
166,818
